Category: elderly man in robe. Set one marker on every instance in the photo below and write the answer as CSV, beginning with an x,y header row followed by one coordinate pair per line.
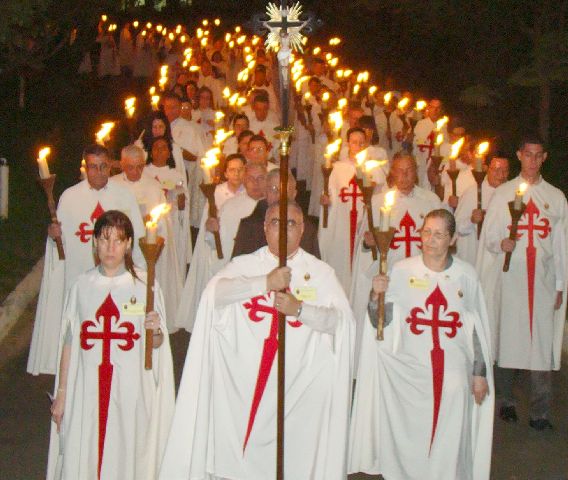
x,y
149,195
77,211
225,420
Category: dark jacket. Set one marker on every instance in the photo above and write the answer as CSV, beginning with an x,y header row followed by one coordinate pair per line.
x,y
250,235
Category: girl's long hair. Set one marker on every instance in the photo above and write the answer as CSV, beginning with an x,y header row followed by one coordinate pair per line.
x,y
119,221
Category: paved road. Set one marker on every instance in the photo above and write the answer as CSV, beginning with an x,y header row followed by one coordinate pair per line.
x,y
519,453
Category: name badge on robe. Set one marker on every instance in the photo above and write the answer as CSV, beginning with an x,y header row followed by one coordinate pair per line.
x,y
421,283
168,185
135,309
305,293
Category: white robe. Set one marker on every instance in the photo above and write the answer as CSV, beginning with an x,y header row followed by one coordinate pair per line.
x,y
221,369
172,184
522,340
407,216
396,429
78,209
467,232
188,136
424,140
149,195
141,402
396,127
338,239
203,266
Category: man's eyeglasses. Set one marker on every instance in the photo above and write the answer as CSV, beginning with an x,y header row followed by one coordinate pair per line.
x,y
290,224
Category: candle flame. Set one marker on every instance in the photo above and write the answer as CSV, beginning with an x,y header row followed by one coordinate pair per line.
x,y
523,188
389,198
237,29
155,100
130,106
439,139
356,89
342,103
135,23
337,119
333,148
159,28
157,212
149,25
210,159
217,22
372,164
482,148
104,132
361,157
317,51
226,92
387,97
420,105
456,147
43,153
221,136
104,18
403,103
372,90
441,122
325,97
219,116
300,82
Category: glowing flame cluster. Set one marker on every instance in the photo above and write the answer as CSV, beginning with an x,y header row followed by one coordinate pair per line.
x,y
103,134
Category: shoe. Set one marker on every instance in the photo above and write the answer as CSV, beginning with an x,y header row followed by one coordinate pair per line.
x,y
540,424
508,414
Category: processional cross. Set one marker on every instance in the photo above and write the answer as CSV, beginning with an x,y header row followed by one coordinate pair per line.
x,y
285,26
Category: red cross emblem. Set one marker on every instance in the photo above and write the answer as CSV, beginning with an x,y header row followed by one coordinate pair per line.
x,y
429,145
438,305
257,312
344,195
84,232
410,235
101,329
541,225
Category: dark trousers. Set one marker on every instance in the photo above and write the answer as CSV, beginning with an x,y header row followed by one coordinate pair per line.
x,y
540,390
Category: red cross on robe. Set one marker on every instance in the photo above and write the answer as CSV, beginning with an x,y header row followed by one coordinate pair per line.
x,y
440,321
84,232
257,312
531,222
107,327
410,235
353,193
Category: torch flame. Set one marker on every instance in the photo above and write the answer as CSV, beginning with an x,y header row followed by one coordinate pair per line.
x,y
219,115
342,103
221,136
403,103
226,92
389,198
441,122
333,148
43,153
325,97
439,139
420,105
372,164
456,147
337,119
387,97
523,188
372,90
157,212
104,131
210,159
482,148
361,157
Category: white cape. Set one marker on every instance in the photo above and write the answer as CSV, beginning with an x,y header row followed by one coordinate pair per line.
x,y
219,377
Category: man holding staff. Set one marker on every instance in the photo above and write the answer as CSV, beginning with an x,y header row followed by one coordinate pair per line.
x,y
225,420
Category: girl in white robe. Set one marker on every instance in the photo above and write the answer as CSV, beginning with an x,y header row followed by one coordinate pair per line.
x,y
111,415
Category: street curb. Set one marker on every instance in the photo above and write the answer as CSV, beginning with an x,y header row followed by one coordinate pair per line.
x,y
19,299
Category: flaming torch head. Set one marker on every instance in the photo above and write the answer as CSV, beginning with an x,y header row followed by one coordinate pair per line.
x,y
456,147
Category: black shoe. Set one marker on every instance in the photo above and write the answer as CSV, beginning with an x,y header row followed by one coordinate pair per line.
x,y
540,424
508,414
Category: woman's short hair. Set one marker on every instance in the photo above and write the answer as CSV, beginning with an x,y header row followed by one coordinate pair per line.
x,y
447,216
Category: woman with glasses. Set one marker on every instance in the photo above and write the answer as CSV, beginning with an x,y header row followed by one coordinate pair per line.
x,y
423,405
